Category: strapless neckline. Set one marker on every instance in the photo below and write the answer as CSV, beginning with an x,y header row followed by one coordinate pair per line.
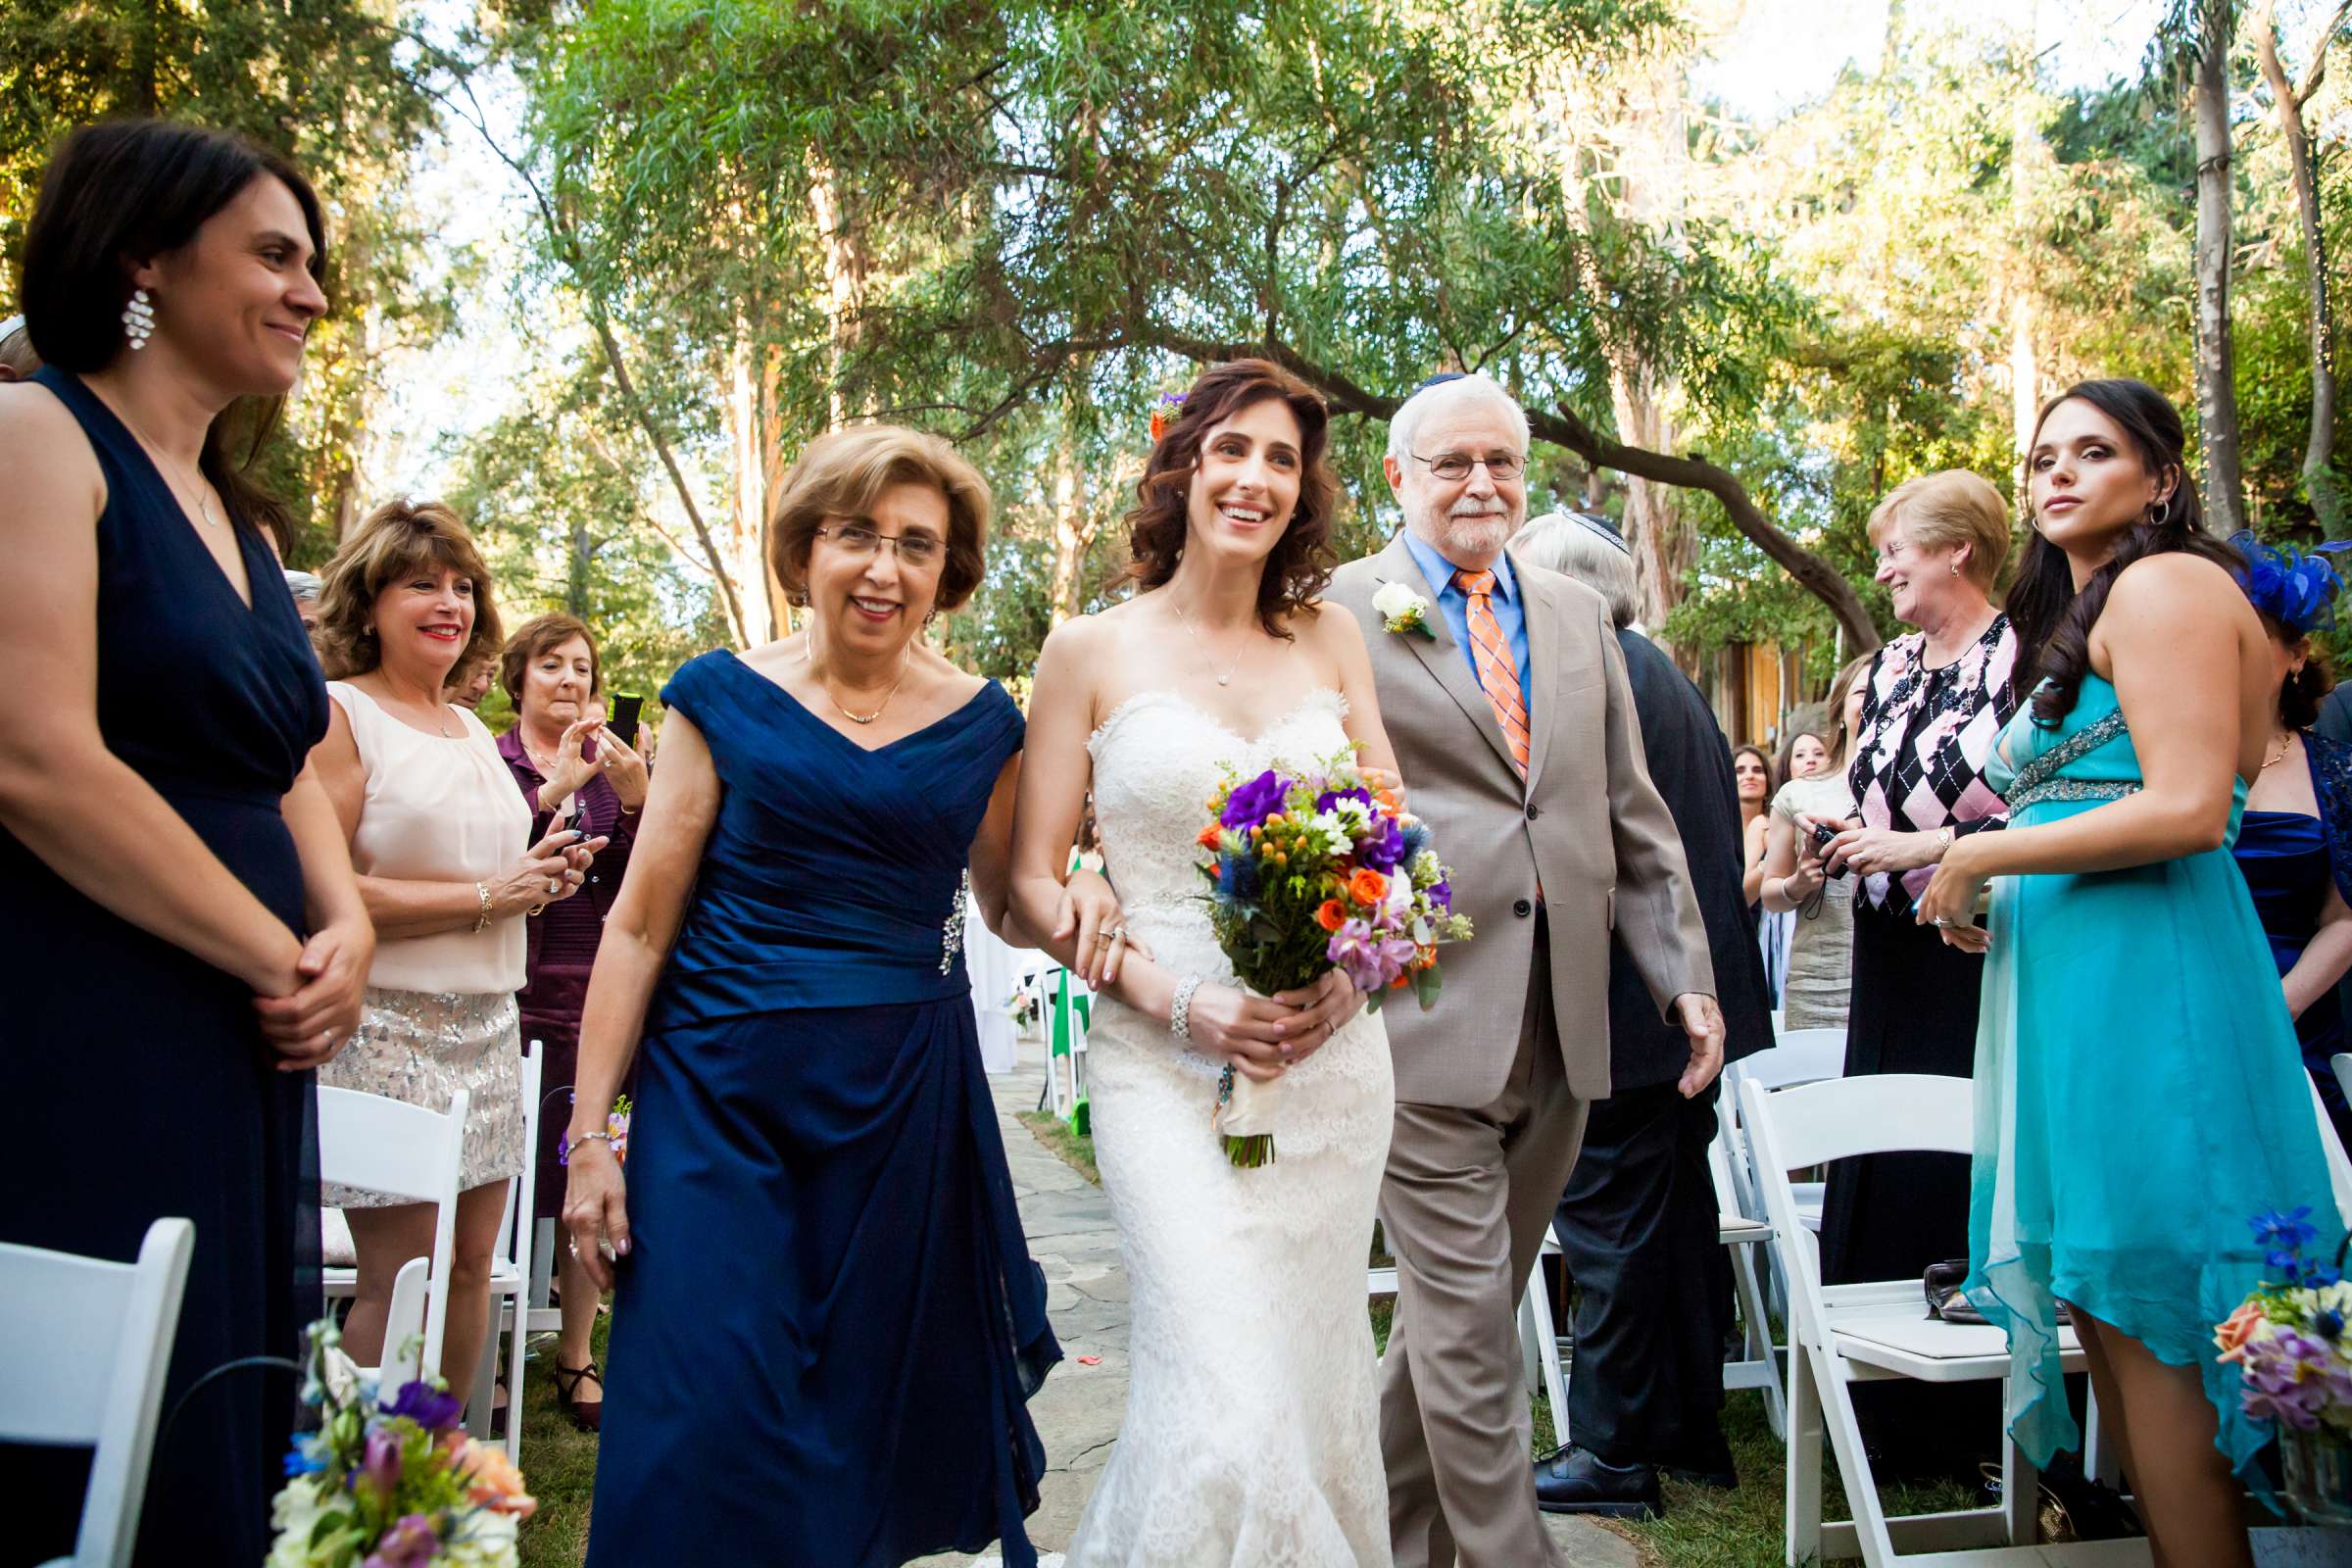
x,y
1163,694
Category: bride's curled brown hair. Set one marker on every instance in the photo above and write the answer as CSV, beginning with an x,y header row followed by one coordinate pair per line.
x,y
1299,568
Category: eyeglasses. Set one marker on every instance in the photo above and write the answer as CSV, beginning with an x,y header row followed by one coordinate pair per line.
x,y
1503,466
916,550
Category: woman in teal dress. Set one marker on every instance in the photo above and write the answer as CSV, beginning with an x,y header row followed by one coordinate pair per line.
x,y
2138,1090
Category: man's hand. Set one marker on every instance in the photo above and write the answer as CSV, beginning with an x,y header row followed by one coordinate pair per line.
x,y
1703,1021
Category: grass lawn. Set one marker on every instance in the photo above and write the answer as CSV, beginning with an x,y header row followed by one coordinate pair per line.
x,y
558,1464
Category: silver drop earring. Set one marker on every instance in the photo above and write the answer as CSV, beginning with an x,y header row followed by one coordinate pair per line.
x,y
138,318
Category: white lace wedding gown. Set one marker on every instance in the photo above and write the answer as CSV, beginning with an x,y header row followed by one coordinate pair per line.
x,y
1250,1435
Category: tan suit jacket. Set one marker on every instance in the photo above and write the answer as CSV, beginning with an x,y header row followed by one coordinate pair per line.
x,y
1585,824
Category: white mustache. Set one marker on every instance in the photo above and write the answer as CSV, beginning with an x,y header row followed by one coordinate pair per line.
x,y
1478,509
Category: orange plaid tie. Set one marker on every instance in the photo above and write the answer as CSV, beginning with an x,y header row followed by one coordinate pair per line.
x,y
1491,655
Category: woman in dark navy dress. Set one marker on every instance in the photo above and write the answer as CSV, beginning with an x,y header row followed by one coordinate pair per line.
x,y
2294,846
189,941
827,1322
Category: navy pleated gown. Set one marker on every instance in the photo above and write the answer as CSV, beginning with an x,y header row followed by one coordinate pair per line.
x,y
828,1325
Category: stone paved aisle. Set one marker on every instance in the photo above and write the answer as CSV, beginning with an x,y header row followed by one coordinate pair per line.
x,y
1078,1410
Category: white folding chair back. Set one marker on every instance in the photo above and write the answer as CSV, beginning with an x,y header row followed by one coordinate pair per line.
x,y
1840,1335
388,1146
404,1326
2341,1062
511,1273
84,1344
2339,1166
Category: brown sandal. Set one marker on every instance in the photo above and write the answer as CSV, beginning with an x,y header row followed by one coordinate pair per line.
x,y
588,1416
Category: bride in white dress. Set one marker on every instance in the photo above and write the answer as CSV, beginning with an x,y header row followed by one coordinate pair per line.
x,y
1249,1437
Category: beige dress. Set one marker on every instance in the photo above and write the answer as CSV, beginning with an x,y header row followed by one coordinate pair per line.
x,y
439,1013
1821,947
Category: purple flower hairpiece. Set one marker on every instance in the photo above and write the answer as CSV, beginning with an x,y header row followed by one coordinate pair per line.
x,y
2294,589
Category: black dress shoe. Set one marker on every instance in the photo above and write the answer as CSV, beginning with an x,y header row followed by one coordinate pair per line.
x,y
1703,1464
1572,1480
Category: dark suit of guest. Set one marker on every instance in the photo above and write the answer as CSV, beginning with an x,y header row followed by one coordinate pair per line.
x,y
1637,1226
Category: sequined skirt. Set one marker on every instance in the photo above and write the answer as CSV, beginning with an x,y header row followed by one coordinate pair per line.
x,y
421,1047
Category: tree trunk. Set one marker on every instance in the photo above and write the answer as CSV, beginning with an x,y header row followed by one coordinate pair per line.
x,y
2025,163
845,262
1665,546
1073,530
2217,385
2303,153
578,558
747,511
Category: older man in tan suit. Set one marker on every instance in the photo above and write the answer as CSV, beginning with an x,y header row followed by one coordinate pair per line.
x,y
1507,704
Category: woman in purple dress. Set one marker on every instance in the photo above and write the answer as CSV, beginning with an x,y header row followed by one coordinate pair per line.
x,y
574,772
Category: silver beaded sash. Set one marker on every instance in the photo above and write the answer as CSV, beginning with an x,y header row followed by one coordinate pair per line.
x,y
2037,781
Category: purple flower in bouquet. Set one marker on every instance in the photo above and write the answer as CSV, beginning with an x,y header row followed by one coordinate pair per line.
x,y
1252,802
1372,958
2291,1377
1440,894
428,1407
409,1544
1383,848
1330,798
379,1465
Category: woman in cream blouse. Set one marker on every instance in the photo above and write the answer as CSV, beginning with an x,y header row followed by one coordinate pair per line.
x,y
438,836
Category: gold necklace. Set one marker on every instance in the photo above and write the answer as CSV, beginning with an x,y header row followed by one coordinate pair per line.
x,y
904,665
2285,743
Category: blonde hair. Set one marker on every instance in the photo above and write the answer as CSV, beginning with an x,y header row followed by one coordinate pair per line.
x,y
1946,510
397,537
843,473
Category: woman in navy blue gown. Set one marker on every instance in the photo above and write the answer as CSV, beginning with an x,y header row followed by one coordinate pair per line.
x,y
188,939
2295,845
827,1322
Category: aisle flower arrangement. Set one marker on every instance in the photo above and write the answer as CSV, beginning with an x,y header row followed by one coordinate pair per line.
x,y
391,1484
2291,1342
1308,872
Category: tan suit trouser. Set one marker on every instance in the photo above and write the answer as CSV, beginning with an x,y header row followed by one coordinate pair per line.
x,y
1464,1205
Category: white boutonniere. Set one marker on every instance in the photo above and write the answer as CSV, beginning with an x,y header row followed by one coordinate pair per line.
x,y
1404,610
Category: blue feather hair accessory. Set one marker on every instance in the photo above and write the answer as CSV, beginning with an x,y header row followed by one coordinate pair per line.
x,y
2294,589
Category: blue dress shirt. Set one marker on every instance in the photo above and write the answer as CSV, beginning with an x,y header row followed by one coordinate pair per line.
x,y
1510,612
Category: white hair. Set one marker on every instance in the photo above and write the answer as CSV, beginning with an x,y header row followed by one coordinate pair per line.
x,y
1404,426
1566,544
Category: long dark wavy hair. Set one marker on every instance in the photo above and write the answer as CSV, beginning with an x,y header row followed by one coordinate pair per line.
x,y
2052,622
1299,568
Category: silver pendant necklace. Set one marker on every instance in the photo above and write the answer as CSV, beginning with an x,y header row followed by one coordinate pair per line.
x,y
1201,649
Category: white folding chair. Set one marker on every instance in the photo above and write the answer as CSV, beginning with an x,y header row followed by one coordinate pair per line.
x,y
1841,1334
1758,1367
84,1344
1538,1344
2341,1062
388,1146
510,1312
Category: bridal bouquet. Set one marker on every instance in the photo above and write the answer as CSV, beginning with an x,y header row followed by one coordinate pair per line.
x,y
391,1482
1310,872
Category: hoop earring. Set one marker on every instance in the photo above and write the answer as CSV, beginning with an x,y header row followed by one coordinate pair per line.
x,y
2160,513
139,319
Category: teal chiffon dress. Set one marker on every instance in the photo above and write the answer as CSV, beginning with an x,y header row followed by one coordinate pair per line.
x,y
2138,1092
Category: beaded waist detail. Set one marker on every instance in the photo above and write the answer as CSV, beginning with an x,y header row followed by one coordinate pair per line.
x,y
2070,789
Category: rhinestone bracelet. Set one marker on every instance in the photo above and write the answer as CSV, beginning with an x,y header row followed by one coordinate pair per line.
x,y
1180,1009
